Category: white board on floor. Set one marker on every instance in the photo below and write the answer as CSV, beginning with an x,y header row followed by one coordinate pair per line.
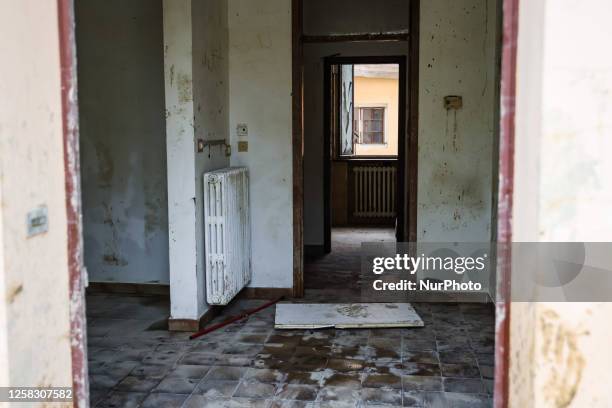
x,y
345,315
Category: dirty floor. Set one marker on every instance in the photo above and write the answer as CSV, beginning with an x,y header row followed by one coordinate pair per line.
x,y
135,362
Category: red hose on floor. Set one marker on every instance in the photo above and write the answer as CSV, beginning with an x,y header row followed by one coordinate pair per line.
x,y
233,319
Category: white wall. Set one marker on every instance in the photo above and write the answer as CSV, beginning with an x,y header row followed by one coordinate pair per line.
x,y
260,96
123,141
34,306
196,78
457,57
562,193
210,102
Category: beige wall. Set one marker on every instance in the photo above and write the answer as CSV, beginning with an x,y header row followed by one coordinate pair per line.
x,y
34,306
379,92
560,352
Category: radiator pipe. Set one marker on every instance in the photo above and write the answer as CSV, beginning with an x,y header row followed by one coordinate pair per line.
x,y
234,319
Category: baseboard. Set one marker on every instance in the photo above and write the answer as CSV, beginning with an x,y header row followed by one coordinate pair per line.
x,y
193,325
124,288
265,293
314,250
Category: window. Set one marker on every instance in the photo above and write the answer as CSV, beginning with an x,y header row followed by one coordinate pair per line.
x,y
370,125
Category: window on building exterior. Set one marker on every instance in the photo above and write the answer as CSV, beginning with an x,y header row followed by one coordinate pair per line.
x,y
370,125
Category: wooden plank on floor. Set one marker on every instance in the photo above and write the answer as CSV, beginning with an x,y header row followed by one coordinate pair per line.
x,y
345,315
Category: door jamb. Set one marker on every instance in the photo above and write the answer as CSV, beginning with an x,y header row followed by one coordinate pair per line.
x,y
70,130
402,212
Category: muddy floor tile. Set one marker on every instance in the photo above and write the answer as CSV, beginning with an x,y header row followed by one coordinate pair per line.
x,y
216,389
382,380
460,400
457,357
346,380
118,399
421,383
460,370
464,385
342,394
274,363
103,381
221,373
304,377
189,371
388,396
200,401
346,364
430,370
297,392
177,385
265,375
292,404
312,362
245,349
252,338
418,345
425,399
427,357
164,401
198,358
137,384
254,389
151,371
247,402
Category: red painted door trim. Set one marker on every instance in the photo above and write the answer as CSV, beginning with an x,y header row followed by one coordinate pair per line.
x,y
70,125
504,215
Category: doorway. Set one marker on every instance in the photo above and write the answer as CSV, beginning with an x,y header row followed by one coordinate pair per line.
x,y
364,142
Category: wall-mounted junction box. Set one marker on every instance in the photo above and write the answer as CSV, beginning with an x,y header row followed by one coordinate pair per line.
x,y
242,130
453,102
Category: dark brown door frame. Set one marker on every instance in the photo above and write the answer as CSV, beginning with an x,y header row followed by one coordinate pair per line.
x,y
328,155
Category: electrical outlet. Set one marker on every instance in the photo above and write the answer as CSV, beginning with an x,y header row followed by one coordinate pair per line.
x,y
242,130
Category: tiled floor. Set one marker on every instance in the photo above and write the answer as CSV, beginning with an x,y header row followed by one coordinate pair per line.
x,y
135,362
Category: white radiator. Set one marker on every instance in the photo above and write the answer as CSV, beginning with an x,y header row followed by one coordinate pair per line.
x,y
374,191
227,233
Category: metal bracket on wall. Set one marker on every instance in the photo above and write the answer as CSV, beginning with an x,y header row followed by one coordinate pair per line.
x,y
202,144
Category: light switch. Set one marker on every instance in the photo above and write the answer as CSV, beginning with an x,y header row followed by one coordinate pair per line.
x,y
243,146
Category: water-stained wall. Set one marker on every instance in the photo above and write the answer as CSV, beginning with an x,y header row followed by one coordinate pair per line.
x,y
123,154
260,96
455,180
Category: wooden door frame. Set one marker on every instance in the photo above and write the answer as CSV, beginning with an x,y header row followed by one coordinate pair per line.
x,y
328,156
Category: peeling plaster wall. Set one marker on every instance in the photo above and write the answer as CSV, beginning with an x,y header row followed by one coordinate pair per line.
x,y
260,95
455,180
34,298
123,152
560,352
210,101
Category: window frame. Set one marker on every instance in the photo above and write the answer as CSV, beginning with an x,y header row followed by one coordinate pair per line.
x,y
382,106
